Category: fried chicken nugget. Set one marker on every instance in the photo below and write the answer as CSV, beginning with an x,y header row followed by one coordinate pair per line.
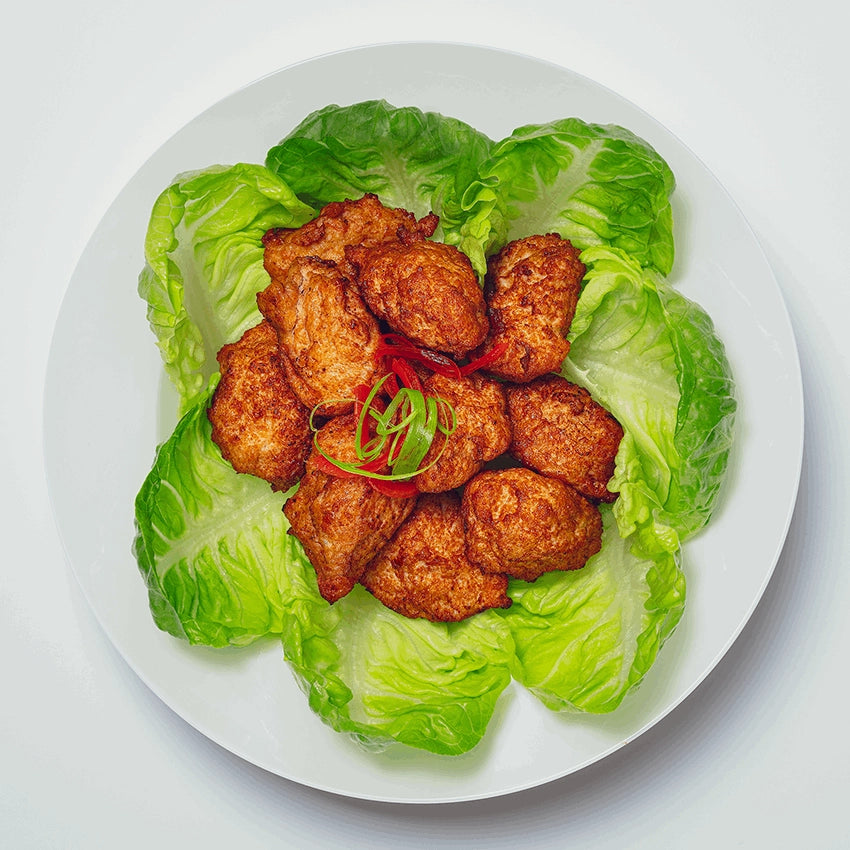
x,y
560,431
424,572
524,524
327,336
342,523
531,288
258,422
365,221
483,431
427,291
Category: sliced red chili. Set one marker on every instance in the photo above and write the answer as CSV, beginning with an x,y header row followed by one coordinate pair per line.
x,y
379,463
406,374
396,345
330,468
485,359
361,393
394,489
327,466
439,363
391,385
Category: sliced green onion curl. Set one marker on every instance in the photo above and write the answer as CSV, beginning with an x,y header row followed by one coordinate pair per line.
x,y
403,434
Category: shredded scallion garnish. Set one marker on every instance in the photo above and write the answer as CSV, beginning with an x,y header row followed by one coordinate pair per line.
x,y
396,436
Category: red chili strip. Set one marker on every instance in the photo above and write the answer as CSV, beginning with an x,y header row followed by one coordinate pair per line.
x,y
439,363
327,466
330,468
378,463
485,359
361,393
406,374
396,345
394,489
391,386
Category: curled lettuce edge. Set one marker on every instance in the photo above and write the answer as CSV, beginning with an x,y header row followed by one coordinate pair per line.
x,y
584,639
203,264
209,542
380,678
678,410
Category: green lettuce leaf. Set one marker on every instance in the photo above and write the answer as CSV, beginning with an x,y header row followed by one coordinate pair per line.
x,y
584,639
593,184
220,567
381,677
420,161
652,357
204,264
210,542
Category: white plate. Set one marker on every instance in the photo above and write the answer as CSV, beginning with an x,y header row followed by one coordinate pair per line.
x,y
106,408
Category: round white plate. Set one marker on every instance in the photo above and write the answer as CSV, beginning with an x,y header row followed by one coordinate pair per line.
x,y
107,407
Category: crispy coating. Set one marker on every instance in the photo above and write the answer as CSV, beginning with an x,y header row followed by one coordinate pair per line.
x,y
327,336
424,572
342,523
560,431
353,222
524,524
427,291
257,420
483,431
531,288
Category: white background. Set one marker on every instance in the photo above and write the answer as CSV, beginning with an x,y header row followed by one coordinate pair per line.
x,y
758,756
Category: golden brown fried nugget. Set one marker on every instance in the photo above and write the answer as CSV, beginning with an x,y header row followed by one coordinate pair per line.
x,y
327,336
354,222
524,524
483,431
427,291
424,572
257,420
560,431
342,523
531,288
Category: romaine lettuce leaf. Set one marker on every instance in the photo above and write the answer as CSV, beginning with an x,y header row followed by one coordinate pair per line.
x,y
585,638
204,264
211,543
593,184
420,161
652,357
221,569
380,677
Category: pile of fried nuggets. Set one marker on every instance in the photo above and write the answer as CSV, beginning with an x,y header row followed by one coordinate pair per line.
x,y
513,491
